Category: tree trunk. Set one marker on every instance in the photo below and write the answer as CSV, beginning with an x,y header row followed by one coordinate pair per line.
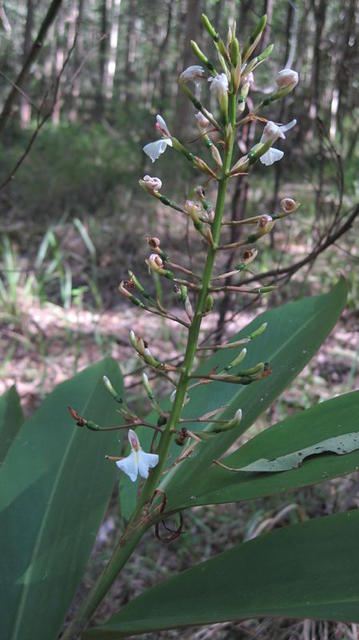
x,y
33,54
59,61
192,29
25,106
319,8
112,58
102,58
76,86
130,54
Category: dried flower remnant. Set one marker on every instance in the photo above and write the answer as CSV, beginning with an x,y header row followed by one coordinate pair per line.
x,y
288,205
152,185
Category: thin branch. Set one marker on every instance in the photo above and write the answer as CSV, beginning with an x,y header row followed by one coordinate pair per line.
x,y
33,54
40,120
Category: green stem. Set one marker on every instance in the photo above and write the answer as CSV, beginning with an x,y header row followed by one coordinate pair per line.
x,y
141,520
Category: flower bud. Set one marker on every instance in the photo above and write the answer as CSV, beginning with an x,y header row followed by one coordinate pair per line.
x,y
231,424
201,119
219,86
111,390
152,185
149,359
234,51
210,28
258,332
161,126
194,72
235,420
216,156
147,386
153,242
287,78
237,360
202,57
254,38
133,339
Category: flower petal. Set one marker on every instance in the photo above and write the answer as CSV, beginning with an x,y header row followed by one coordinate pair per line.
x,y
133,440
154,149
146,461
129,466
271,156
193,72
161,125
290,125
287,77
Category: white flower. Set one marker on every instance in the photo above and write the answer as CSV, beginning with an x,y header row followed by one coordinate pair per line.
x,y
194,72
272,132
155,149
287,78
138,462
161,126
248,79
271,156
219,84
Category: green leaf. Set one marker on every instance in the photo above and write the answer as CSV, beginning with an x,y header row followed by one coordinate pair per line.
x,y
294,333
11,419
308,570
55,486
327,421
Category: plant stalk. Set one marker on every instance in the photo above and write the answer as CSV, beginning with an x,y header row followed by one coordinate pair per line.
x,y
141,519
